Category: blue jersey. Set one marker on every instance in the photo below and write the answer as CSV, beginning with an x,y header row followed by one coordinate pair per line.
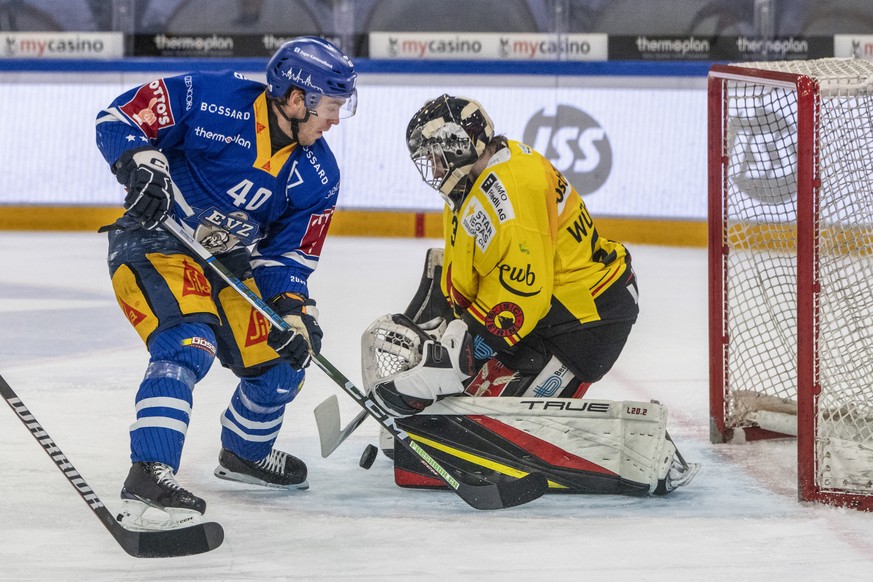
x,y
232,190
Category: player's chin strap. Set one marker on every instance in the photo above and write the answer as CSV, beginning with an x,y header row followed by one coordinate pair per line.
x,y
487,495
295,123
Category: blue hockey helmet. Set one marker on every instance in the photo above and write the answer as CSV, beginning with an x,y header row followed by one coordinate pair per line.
x,y
319,69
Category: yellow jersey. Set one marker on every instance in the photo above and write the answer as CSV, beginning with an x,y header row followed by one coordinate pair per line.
x,y
522,242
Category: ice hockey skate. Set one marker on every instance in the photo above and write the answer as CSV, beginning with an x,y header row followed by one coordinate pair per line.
x,y
680,473
153,499
278,469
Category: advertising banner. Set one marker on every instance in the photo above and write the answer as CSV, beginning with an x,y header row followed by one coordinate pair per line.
x,y
488,46
631,151
858,46
721,48
62,45
204,46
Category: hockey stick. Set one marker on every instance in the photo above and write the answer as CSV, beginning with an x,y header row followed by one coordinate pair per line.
x,y
327,418
486,496
185,541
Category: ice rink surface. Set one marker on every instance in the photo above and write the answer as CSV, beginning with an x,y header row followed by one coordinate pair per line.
x,y
67,350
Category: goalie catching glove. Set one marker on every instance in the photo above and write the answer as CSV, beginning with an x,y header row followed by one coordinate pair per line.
x,y
304,336
145,173
434,369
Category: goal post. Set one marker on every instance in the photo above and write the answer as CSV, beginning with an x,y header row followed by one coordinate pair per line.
x,y
791,266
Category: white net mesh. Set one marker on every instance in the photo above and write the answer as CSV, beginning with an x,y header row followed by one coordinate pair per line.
x,y
761,266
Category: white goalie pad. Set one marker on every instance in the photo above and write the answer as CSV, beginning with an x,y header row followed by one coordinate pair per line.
x,y
627,438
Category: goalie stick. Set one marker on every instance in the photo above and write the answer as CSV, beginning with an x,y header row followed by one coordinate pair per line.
x,y
185,541
327,418
487,495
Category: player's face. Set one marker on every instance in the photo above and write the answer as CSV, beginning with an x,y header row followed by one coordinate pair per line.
x,y
314,128
326,114
439,164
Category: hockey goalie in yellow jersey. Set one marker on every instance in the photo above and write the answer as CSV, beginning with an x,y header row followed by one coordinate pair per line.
x,y
525,302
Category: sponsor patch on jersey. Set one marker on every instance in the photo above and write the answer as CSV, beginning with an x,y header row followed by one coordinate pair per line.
x,y
225,111
134,316
521,281
237,139
150,108
494,189
258,329
219,231
193,281
315,233
478,225
504,319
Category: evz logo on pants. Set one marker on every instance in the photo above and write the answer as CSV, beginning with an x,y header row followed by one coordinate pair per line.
x,y
575,144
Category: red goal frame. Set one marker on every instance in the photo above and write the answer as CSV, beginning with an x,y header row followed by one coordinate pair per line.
x,y
808,287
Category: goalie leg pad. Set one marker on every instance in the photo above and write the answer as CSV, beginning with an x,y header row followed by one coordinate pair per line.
x,y
582,446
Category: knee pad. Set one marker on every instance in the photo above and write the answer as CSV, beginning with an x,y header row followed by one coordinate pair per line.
x,y
277,385
190,345
552,380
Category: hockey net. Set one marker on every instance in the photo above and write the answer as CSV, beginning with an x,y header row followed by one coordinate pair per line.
x,y
791,266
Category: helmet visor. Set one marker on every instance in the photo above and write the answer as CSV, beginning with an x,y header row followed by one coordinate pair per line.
x,y
332,107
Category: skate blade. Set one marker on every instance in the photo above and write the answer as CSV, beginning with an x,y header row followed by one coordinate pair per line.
x,y
140,516
691,470
227,475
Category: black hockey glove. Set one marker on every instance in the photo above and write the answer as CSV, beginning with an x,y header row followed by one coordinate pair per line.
x,y
295,344
146,174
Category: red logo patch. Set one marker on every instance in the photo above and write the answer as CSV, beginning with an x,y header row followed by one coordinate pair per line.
x,y
504,319
150,108
194,282
313,240
258,329
133,316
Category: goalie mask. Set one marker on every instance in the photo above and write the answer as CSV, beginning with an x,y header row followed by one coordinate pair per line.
x,y
445,138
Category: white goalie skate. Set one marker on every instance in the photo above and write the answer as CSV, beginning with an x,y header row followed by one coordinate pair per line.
x,y
680,471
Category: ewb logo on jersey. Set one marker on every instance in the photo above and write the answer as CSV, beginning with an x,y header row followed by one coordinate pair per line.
x,y
575,144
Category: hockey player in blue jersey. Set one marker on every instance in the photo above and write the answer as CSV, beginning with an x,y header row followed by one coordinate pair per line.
x,y
244,168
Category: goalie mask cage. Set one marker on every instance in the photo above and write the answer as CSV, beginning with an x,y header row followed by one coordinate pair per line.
x,y
791,266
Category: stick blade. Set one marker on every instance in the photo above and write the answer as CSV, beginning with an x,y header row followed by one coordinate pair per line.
x,y
327,419
506,493
187,541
